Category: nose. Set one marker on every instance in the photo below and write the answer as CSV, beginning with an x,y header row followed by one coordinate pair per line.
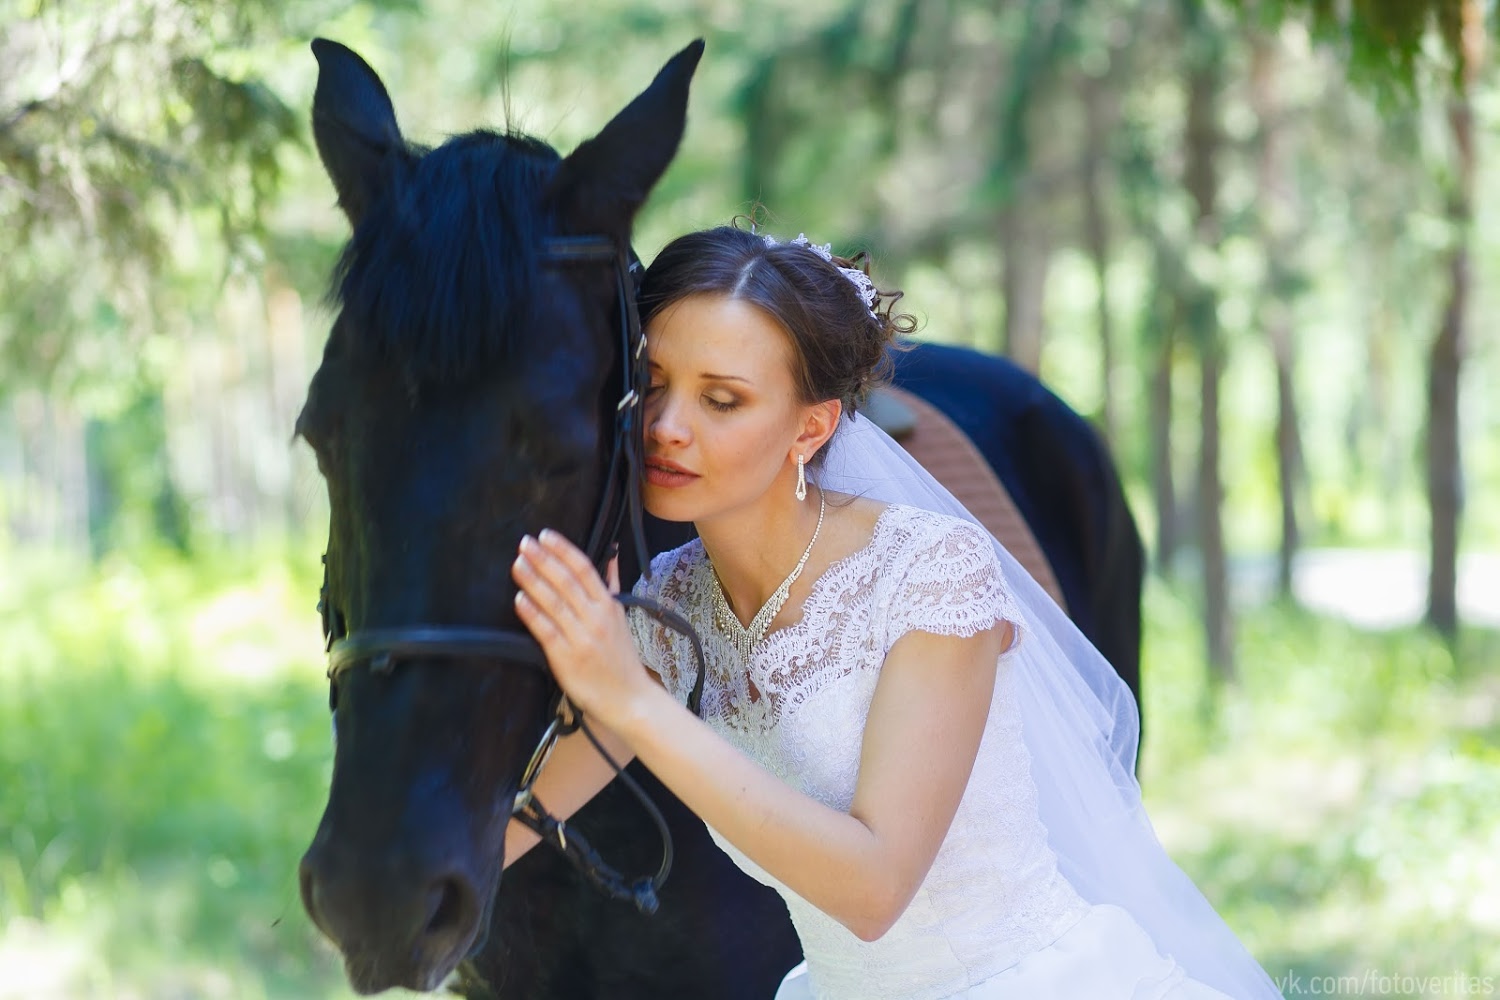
x,y
664,423
394,924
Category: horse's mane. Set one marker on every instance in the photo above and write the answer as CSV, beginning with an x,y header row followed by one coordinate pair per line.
x,y
436,274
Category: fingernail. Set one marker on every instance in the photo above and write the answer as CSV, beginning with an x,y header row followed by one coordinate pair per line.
x,y
548,535
527,542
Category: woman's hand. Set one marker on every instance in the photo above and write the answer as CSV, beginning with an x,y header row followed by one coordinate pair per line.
x,y
579,625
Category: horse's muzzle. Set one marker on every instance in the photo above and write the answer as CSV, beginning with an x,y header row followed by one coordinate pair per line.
x,y
394,925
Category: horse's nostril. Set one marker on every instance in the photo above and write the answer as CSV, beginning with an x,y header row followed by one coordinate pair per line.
x,y
450,907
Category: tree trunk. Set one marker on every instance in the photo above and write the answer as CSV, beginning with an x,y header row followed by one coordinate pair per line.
x,y
1026,258
53,500
1288,449
1201,180
1278,212
1217,618
1391,458
1445,361
103,489
132,496
1163,482
1096,228
286,380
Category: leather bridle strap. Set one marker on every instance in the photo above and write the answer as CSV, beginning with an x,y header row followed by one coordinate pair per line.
x,y
529,812
621,492
382,647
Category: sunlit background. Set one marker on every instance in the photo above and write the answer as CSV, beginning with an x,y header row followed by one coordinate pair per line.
x,y
1286,206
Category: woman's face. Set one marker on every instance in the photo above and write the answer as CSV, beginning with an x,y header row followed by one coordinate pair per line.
x,y
723,418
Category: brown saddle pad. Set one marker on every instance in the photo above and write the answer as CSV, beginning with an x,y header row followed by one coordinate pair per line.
x,y
953,460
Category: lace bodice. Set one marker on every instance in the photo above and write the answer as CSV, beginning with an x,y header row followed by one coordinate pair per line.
x,y
993,894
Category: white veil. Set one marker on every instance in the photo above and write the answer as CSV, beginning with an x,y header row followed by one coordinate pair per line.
x,y
1081,727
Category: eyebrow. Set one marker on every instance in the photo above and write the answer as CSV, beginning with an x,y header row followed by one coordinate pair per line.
x,y
712,376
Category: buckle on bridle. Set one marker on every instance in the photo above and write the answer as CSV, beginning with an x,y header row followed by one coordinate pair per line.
x,y
559,727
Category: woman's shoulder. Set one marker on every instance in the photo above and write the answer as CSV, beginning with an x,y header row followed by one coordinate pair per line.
x,y
862,520
927,551
944,576
919,532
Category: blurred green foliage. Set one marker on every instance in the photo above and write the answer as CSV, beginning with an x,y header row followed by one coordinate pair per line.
x,y
1388,45
144,260
163,749
130,133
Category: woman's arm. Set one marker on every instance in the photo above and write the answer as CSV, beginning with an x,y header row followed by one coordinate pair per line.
x,y
920,741
862,867
575,772
573,775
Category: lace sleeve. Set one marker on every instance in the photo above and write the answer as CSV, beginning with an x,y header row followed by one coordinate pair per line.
x,y
951,584
662,650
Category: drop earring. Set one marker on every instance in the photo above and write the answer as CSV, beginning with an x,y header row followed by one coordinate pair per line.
x,y
801,479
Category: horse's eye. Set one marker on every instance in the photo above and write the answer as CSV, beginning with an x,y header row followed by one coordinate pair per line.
x,y
316,433
318,423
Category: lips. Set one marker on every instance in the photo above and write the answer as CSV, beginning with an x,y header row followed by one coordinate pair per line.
x,y
667,473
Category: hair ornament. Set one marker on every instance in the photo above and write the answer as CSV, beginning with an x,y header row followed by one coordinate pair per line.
x,y
859,279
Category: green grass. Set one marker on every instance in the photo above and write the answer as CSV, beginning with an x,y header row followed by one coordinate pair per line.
x,y
164,749
1341,806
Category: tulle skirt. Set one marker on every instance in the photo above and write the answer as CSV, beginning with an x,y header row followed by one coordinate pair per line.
x,y
1105,956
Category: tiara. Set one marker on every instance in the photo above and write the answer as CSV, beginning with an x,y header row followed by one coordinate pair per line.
x,y
859,279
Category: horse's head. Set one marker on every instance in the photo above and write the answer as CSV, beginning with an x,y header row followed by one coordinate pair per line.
x,y
466,396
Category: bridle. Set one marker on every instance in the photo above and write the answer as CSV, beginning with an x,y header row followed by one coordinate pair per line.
x,y
621,501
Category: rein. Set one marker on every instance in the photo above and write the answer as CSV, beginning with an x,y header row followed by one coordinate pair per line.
x,y
621,501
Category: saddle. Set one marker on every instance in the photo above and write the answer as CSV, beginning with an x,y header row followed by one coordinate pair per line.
x,y
952,459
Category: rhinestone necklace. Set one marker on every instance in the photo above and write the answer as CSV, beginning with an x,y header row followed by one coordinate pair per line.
x,y
742,636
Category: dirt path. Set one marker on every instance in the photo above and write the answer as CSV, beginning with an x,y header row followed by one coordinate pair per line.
x,y
1376,588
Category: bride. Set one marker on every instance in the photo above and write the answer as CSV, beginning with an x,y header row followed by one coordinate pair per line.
x,y
899,731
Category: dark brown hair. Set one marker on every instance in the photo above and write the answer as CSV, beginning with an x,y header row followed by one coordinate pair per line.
x,y
839,345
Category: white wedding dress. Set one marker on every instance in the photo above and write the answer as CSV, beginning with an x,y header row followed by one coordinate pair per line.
x,y
994,918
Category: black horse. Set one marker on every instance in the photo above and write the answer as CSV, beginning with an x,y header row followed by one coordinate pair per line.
x,y
467,395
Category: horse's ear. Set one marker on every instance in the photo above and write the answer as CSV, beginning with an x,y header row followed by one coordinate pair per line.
x,y
605,180
355,127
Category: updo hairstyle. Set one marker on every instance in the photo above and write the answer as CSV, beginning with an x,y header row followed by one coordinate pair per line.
x,y
838,344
